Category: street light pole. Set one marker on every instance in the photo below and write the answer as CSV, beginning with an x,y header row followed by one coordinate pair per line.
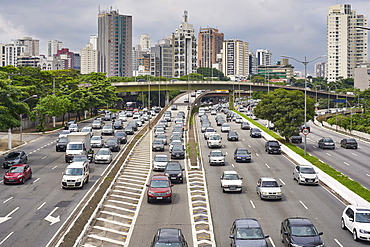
x,y
305,62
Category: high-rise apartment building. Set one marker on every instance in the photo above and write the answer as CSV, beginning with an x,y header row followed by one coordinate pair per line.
x,y
89,59
145,42
184,45
263,57
114,43
32,45
235,58
209,45
346,45
161,59
94,41
320,70
53,47
9,54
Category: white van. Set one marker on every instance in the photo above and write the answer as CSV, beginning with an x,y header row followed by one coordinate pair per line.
x,y
76,175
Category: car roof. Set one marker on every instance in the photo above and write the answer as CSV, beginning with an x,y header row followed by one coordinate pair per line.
x,y
159,177
161,155
299,221
359,208
246,223
76,164
268,179
20,165
169,234
230,172
104,149
240,149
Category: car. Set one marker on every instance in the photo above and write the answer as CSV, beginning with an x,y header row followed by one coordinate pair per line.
x,y
159,131
88,130
232,136
61,145
107,130
129,130
162,137
175,140
69,123
348,143
118,124
247,232
97,141
326,142
272,147
73,128
107,117
167,117
169,237
133,124
158,145
216,157
242,155
239,119
96,124
18,174
230,181
104,155
64,133
122,117
245,126
14,158
213,112
225,127
204,126
113,144
214,140
174,171
305,174
76,175
300,231
160,162
255,133
295,138
208,131
81,158
268,188
178,152
121,136
357,220
159,189
174,107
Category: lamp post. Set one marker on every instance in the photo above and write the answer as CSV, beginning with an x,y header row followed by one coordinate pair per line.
x,y
305,62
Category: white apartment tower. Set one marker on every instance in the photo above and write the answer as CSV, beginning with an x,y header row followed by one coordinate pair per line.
x,y
235,58
53,47
184,45
32,45
145,42
263,57
89,59
346,45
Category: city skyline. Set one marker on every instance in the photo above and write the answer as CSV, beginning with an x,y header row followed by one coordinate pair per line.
x,y
293,28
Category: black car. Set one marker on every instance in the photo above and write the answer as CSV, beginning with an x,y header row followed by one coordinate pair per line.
x,y
13,158
299,232
169,237
174,170
178,152
245,126
296,138
129,130
118,124
255,132
247,232
232,136
61,145
348,143
133,124
121,136
272,147
326,142
242,155
113,144
158,145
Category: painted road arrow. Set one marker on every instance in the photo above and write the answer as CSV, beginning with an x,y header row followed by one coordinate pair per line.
x,y
52,219
7,217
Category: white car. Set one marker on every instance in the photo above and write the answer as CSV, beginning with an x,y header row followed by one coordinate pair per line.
x,y
357,220
160,162
73,128
268,188
64,133
209,131
230,181
305,174
104,155
225,127
97,141
216,157
88,130
123,118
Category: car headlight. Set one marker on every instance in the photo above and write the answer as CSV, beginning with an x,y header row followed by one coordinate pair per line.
x,y
166,174
19,176
364,231
151,192
179,175
238,157
264,193
168,192
296,245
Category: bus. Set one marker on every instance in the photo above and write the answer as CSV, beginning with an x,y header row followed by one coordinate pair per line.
x,y
130,106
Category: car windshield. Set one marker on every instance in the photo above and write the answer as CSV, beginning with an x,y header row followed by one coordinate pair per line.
x,y
304,231
161,158
159,184
173,167
216,154
307,170
231,177
214,137
351,140
363,217
85,130
233,133
256,130
64,140
15,169
73,126
270,184
96,122
120,134
328,140
210,130
167,244
158,141
107,127
79,158
249,233
75,146
177,148
73,171
239,152
103,152
96,138
65,132
111,141
274,144
13,155
225,125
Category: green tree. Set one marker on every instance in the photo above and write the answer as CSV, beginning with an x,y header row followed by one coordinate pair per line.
x,y
258,79
192,77
210,72
285,109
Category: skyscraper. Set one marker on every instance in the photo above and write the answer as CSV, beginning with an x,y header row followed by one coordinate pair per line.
x,y
89,59
235,58
145,42
184,49
114,43
346,45
53,47
33,45
209,45
264,57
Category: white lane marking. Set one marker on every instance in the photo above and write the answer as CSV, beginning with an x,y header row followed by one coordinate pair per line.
x,y
7,200
249,145
36,180
337,241
354,154
328,154
6,238
257,154
41,206
226,153
51,218
267,165
346,163
232,165
54,167
303,204
281,181
7,217
272,242
252,204
1,181
367,174
310,140
44,157
314,146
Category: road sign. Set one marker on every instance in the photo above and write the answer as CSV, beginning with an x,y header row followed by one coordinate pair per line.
x,y
339,101
305,131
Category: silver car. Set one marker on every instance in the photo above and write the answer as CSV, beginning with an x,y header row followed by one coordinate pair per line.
x,y
305,174
107,130
97,141
104,155
160,162
268,188
96,124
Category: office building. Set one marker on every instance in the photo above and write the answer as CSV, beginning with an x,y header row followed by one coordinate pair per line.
x,y
347,46
263,57
94,41
253,66
161,59
320,70
209,45
114,43
53,47
184,45
32,45
145,42
70,59
10,52
51,63
235,58
89,59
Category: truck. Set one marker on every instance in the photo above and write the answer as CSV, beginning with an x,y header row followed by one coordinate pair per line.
x,y
78,144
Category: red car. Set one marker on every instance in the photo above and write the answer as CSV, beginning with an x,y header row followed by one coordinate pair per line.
x,y
159,189
18,174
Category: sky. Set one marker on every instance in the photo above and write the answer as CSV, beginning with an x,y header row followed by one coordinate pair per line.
x,y
295,28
